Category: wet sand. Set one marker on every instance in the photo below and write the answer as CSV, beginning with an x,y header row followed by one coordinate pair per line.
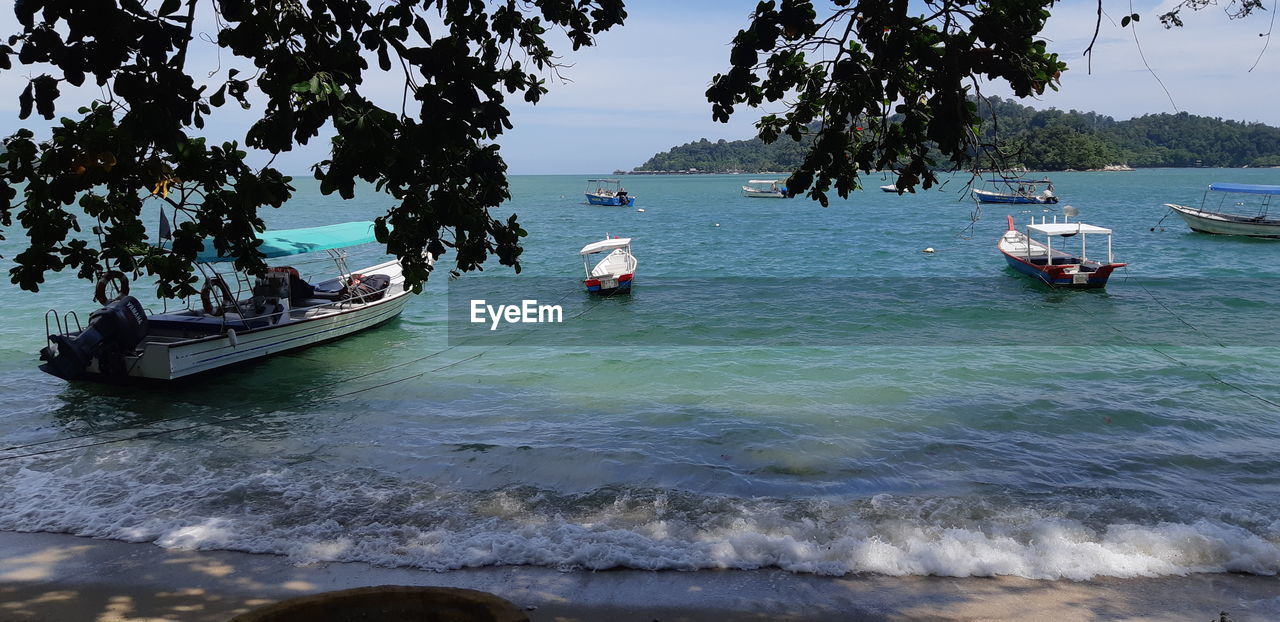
x,y
57,577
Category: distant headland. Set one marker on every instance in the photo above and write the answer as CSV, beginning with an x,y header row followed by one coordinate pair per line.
x,y
1042,140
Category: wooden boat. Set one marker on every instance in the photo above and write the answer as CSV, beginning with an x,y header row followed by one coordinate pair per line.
x,y
608,192
613,274
1017,191
1206,220
1056,266
765,189
273,313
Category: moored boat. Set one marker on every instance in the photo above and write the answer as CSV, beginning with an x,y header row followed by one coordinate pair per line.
x,y
765,189
1057,267
1213,219
615,273
1017,191
608,192
889,188
265,315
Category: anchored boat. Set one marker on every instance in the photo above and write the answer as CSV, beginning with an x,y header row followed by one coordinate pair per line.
x,y
1017,191
608,192
264,315
614,273
1057,266
1205,220
765,189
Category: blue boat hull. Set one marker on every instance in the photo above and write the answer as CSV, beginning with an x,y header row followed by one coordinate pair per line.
x,y
1013,199
596,199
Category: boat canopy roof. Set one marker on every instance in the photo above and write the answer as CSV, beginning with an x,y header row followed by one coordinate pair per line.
x,y
1066,228
1245,188
607,181
286,242
605,245
765,181
1018,181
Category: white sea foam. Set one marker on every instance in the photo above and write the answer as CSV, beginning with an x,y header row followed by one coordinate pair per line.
x,y
313,515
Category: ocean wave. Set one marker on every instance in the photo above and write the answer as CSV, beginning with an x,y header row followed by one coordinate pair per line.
x,y
311,514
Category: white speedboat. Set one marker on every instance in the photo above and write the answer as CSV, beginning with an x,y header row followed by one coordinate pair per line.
x,y
613,274
1214,219
265,315
765,189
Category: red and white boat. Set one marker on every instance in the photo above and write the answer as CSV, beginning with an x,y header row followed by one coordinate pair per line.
x,y
1058,267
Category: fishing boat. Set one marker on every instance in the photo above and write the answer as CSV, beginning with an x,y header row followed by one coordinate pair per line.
x,y
1057,267
264,315
1017,191
765,189
1214,219
608,192
613,274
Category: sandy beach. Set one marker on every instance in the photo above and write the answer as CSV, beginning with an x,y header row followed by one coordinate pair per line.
x,y
57,577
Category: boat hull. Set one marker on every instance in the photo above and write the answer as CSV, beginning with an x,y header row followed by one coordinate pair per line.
x,y
597,199
608,287
996,197
1226,224
759,194
1059,277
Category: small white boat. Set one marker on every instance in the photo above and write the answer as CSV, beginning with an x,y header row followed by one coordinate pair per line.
x,y
1216,220
1056,266
765,189
273,313
613,274
889,188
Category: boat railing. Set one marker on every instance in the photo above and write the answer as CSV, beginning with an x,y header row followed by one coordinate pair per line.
x,y
62,323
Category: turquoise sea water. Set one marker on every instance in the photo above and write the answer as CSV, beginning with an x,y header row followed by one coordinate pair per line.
x,y
797,387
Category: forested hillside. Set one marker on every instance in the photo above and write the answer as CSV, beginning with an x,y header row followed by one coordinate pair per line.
x,y
1036,139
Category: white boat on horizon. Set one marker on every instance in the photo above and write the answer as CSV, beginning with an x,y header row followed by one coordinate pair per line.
x,y
765,189
1217,221
269,314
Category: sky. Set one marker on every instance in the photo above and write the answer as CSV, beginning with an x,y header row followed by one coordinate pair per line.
x,y
639,91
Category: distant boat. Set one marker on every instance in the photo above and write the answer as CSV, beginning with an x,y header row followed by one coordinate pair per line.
x,y
266,315
1017,191
608,192
1056,266
889,188
1205,220
765,189
613,274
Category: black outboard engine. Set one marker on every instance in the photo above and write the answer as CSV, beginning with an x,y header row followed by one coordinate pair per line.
x,y
113,331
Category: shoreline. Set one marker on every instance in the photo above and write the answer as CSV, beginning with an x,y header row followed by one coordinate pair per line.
x,y
63,577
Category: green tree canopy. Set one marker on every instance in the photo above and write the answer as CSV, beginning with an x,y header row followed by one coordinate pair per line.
x,y
882,81
459,60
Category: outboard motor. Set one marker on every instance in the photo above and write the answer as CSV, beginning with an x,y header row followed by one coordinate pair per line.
x,y
113,331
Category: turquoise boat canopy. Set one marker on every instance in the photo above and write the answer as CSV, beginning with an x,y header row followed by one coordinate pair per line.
x,y
285,242
1245,188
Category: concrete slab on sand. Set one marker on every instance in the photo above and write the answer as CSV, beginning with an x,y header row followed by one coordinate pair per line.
x,y
54,577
